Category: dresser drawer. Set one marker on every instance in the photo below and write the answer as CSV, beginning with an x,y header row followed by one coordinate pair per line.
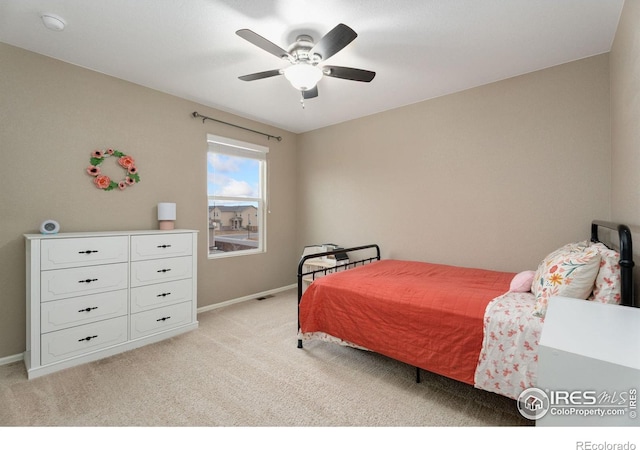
x,y
160,270
75,252
153,246
157,295
83,339
157,320
71,312
64,283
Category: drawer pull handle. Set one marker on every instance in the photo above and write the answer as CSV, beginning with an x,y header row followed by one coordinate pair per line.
x,y
88,309
163,270
164,246
88,252
88,338
162,319
164,294
88,280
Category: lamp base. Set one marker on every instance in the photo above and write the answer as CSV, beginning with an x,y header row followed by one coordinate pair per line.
x,y
166,224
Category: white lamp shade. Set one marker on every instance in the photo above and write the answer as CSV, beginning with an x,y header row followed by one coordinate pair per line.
x,y
166,211
303,76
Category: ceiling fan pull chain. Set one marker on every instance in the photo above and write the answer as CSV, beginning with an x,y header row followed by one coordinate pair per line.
x,y
302,99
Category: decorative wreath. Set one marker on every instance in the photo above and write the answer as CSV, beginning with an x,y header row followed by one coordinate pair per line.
x,y
103,181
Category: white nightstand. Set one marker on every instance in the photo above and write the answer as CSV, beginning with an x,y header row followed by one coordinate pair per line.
x,y
592,352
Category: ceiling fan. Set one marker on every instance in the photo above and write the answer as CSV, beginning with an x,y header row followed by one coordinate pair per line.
x,y
305,57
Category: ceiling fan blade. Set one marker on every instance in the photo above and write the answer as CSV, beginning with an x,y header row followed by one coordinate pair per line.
x,y
263,43
261,75
349,73
311,93
334,41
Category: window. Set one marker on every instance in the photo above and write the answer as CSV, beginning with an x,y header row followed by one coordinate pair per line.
x,y
236,189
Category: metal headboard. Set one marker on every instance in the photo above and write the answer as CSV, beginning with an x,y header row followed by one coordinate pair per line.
x,y
626,258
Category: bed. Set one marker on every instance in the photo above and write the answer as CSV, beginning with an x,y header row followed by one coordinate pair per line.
x,y
480,327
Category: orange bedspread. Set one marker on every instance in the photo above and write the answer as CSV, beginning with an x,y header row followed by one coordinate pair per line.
x,y
427,315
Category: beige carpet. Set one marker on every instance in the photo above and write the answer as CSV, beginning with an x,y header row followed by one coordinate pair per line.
x,y
241,367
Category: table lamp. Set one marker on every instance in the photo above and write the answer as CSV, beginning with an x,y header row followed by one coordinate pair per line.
x,y
166,215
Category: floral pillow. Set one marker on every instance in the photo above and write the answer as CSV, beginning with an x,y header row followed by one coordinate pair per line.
x,y
607,284
569,271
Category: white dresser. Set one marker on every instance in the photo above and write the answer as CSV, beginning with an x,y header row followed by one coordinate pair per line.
x,y
92,295
589,357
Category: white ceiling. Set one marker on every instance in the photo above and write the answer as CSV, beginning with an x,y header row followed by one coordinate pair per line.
x,y
419,49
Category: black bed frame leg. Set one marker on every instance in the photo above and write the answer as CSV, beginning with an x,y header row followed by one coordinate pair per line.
x,y
417,374
299,343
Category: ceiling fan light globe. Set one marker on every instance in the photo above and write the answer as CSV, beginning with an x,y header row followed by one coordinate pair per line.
x,y
303,76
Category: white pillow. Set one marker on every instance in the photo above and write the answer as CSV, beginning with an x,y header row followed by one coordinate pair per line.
x,y
607,283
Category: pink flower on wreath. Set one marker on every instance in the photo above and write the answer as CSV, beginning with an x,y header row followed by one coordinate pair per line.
x,y
93,171
110,151
126,161
97,154
102,181
132,169
122,185
130,181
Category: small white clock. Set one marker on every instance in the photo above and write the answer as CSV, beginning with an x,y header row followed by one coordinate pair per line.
x,y
49,227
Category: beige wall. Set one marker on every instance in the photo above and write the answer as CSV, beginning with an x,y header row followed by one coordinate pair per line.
x,y
625,116
52,115
492,177
625,124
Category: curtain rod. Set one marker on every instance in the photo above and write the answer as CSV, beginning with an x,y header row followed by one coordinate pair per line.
x,y
269,136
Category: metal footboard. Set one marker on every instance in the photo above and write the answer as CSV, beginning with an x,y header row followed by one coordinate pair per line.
x,y
353,261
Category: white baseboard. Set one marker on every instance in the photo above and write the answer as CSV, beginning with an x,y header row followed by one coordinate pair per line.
x,y
244,299
11,359
20,356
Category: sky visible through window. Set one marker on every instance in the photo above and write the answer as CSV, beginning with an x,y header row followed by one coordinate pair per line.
x,y
232,176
